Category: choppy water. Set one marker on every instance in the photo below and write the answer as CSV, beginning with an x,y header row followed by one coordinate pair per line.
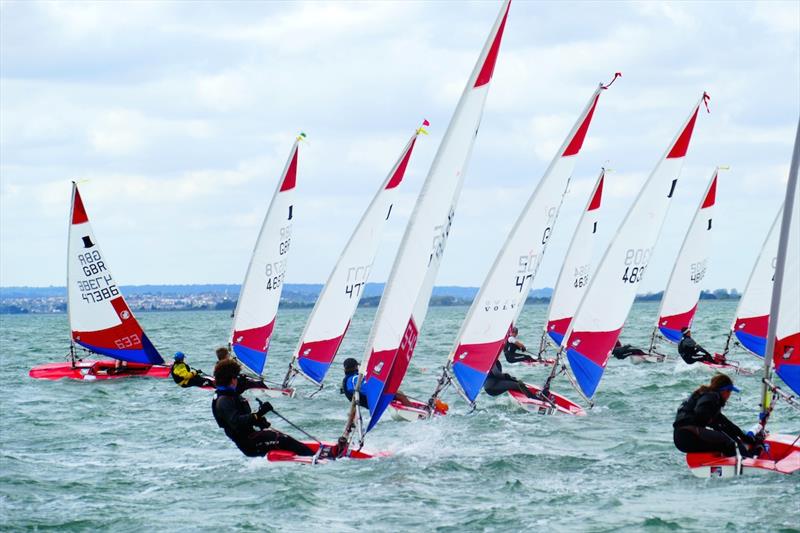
x,y
143,454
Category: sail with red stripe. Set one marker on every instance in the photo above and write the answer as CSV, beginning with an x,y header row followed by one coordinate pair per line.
x,y
577,268
503,293
752,315
784,328
330,318
254,318
679,303
608,299
99,317
407,292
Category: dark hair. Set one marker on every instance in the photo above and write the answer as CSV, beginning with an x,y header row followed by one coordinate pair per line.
x,y
717,382
350,364
225,371
222,353
514,330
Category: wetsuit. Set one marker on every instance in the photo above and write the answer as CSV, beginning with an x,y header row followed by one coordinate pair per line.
x,y
691,352
497,382
186,377
510,351
349,388
622,351
247,430
244,383
700,426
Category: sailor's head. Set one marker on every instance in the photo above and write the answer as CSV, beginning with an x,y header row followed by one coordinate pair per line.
x,y
514,331
226,372
723,384
686,332
179,356
350,365
222,353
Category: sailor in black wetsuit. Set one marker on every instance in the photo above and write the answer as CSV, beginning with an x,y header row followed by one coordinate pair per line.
x,y
700,425
690,351
244,382
248,430
512,346
497,382
622,351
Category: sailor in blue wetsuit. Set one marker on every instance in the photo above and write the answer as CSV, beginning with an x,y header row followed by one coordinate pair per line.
x,y
350,381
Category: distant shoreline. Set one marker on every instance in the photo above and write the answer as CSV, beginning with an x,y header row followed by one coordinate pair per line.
x,y
222,297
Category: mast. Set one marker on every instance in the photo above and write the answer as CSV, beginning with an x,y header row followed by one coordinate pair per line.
x,y
783,244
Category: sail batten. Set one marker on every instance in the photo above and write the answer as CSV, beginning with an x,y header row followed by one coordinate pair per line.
x,y
99,316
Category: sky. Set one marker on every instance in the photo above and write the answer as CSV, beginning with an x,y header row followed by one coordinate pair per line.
x,y
176,119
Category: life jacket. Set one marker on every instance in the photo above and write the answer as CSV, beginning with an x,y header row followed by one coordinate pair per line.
x,y
349,385
686,415
183,374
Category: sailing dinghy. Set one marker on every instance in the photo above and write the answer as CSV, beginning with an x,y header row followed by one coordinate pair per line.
x,y
575,272
608,299
749,327
680,298
100,320
257,307
407,293
502,295
781,453
333,310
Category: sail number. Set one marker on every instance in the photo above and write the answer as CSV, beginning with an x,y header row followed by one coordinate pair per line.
x,y
91,263
526,268
440,234
286,240
356,280
636,262
275,272
698,271
581,276
128,342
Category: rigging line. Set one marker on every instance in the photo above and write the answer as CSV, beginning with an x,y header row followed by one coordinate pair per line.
x,y
295,426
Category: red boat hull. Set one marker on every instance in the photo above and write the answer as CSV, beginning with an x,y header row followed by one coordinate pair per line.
x,y
557,404
415,411
89,370
281,456
783,457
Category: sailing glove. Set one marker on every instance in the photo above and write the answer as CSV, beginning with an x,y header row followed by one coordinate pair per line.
x,y
265,408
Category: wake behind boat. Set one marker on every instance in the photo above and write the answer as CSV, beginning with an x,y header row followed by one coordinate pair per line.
x,y
100,320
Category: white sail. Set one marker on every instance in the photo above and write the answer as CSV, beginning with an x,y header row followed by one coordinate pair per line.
x,y
752,315
407,292
99,317
784,329
679,302
503,293
601,314
577,268
254,318
333,310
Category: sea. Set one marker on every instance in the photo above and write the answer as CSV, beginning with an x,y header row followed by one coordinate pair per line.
x,y
145,455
